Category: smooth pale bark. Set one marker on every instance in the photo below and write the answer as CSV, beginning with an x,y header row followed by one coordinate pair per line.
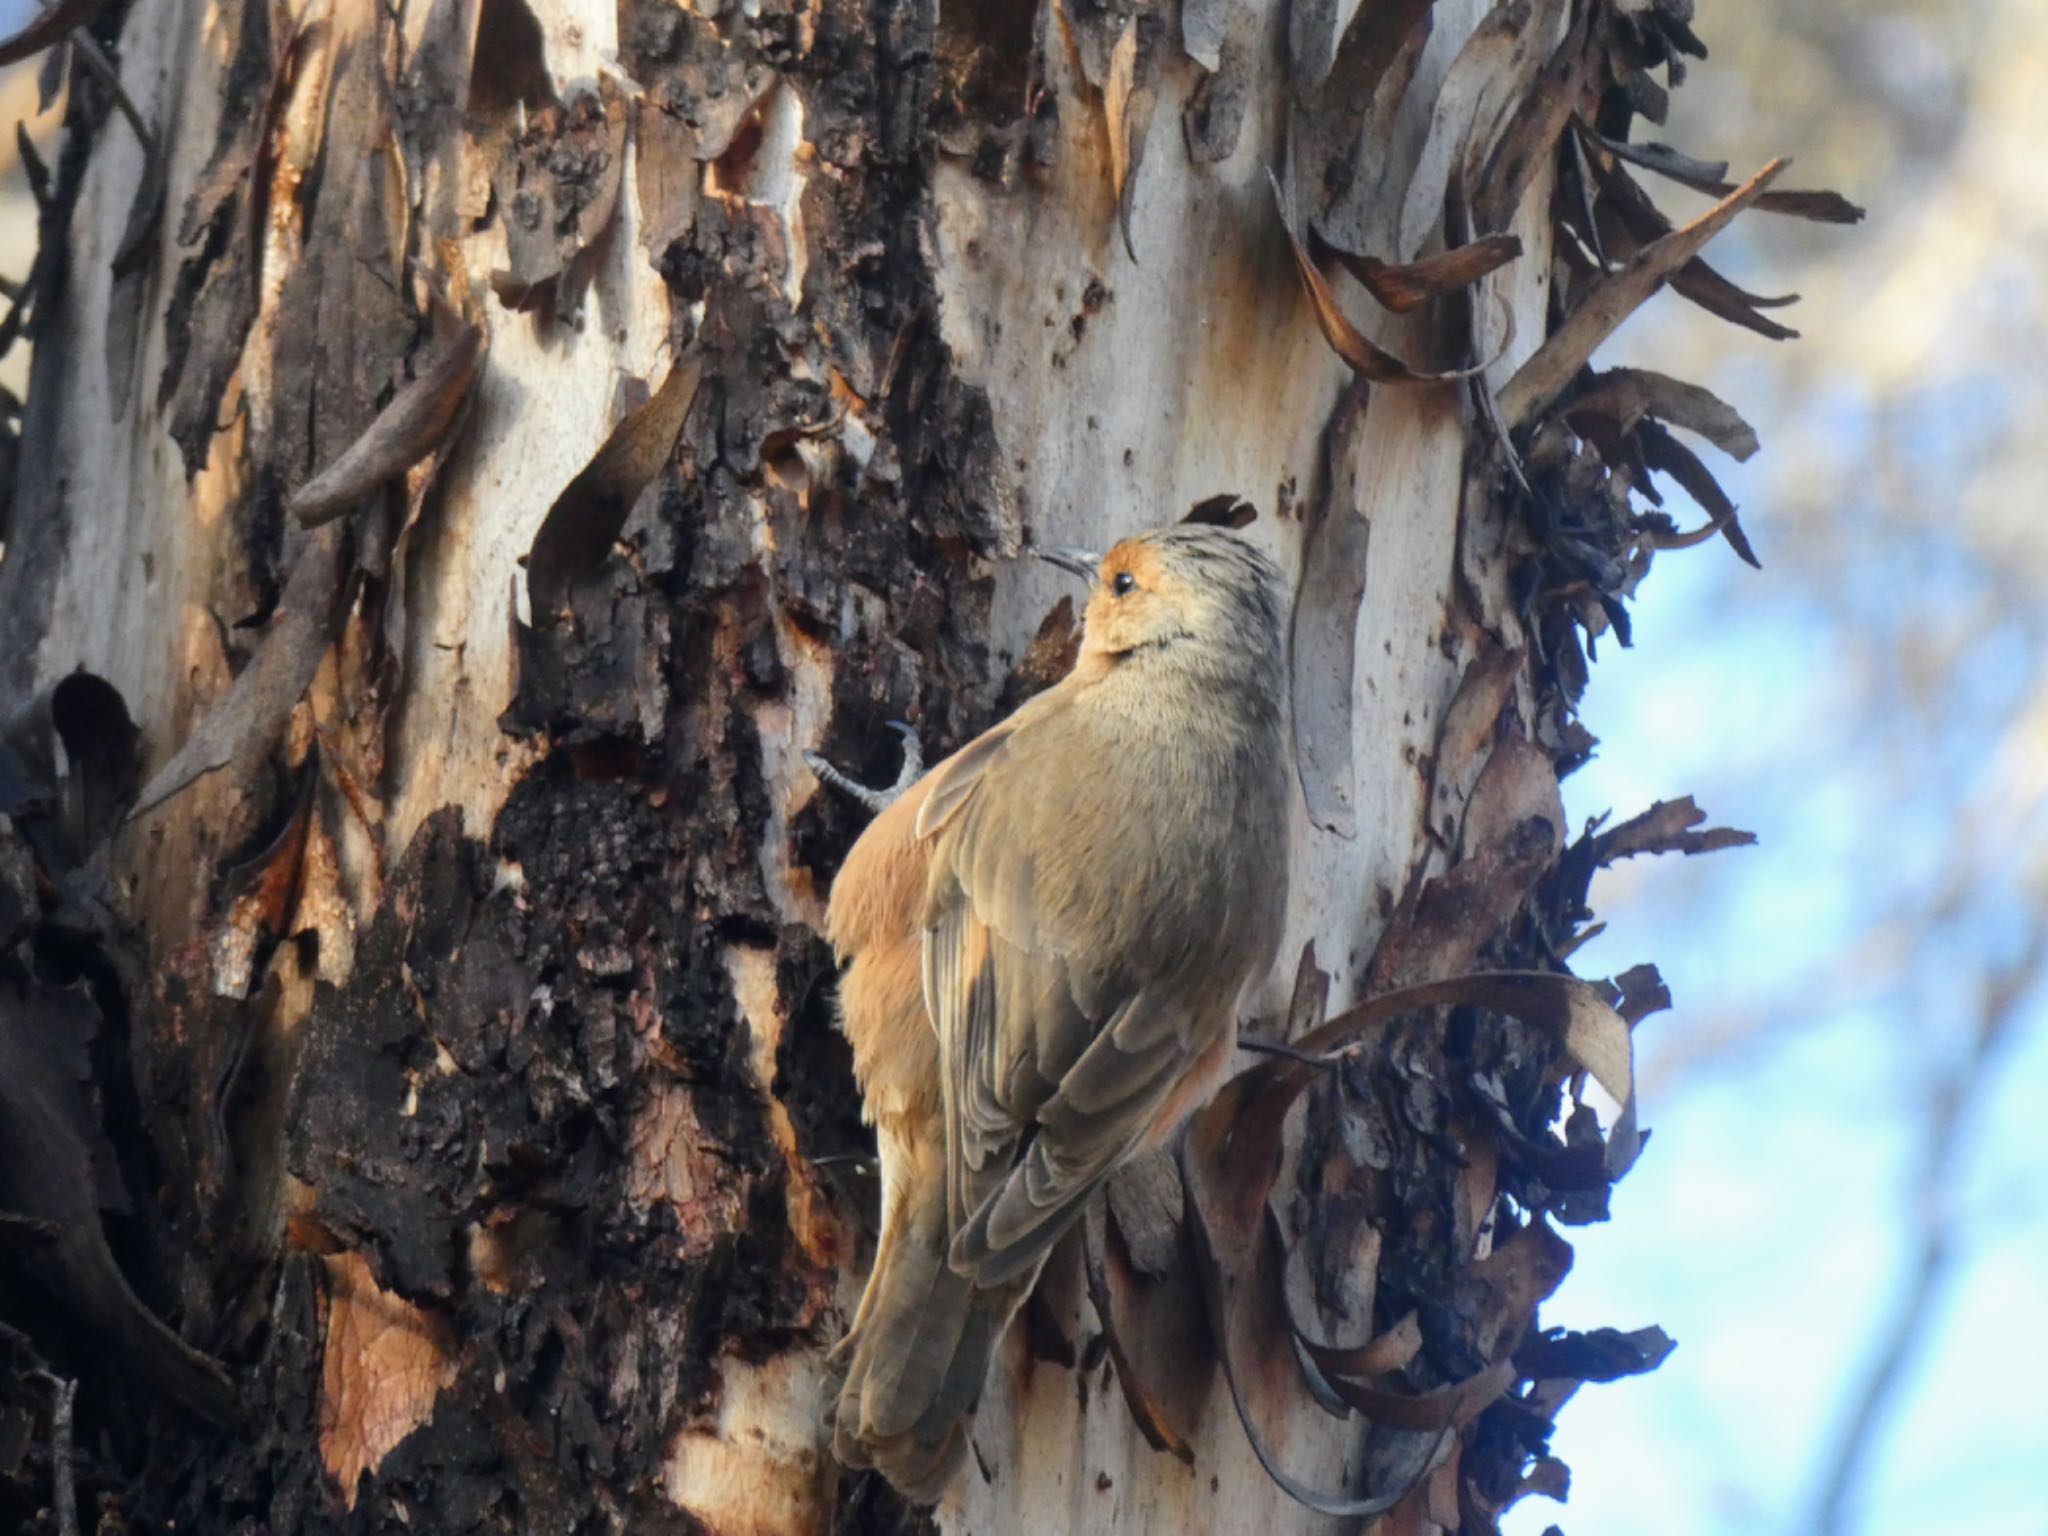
x,y
1204,373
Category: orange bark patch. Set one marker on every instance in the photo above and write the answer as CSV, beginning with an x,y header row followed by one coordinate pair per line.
x,y
670,1163
757,1467
386,1361
811,1218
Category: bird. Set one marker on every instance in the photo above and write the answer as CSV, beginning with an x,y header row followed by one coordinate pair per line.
x,y
1043,943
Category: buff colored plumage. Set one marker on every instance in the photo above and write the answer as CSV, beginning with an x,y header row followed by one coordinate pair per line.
x,y
1044,943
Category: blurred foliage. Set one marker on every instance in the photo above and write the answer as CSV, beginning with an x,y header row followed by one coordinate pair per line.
x,y
1904,442
1875,704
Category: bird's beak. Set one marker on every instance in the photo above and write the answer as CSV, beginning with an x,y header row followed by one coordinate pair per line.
x,y
1082,562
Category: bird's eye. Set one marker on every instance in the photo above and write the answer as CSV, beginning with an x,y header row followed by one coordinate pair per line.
x,y
1124,583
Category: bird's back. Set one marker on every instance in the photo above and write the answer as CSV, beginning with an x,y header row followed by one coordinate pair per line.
x,y
1047,938
1098,897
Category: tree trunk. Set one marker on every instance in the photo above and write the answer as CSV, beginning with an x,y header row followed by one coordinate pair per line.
x,y
458,1041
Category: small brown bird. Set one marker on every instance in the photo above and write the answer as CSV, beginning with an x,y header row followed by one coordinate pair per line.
x,y
1043,943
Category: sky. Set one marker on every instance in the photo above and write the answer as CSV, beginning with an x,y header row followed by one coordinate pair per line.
x,y
1768,1227
1871,705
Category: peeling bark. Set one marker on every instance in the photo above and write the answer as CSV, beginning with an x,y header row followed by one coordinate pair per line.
x,y
454,1055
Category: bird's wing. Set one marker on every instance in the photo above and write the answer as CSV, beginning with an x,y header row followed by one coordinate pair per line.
x,y
953,783
1056,1049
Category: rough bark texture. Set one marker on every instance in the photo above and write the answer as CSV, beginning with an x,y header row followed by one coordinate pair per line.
x,y
446,1042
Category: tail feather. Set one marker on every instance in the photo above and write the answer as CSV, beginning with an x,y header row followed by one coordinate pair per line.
x,y
916,1331
918,1352
958,1391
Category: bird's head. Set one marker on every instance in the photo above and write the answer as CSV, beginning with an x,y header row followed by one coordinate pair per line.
x,y
1185,591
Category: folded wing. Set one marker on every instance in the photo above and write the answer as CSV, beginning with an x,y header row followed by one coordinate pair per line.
x,y
1057,1049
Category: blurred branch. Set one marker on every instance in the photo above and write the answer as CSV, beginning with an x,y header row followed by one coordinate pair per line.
x,y
1892,950
1955,1095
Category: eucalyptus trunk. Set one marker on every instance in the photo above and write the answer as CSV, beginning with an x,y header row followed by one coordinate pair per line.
x,y
477,448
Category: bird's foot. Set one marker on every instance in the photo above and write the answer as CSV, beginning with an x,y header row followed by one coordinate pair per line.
x,y
913,757
876,800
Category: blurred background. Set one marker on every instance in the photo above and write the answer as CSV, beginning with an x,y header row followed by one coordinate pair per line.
x,y
17,208
1842,1216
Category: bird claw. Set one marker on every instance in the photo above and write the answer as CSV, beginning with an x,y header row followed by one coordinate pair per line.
x,y
913,756
876,800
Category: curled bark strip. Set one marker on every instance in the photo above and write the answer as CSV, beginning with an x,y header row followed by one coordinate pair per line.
x,y
1367,359
1725,300
1627,395
1246,1120
1230,1158
1666,161
1227,510
1711,177
1637,222
1311,994
1491,76
1474,711
1386,1352
47,1180
1690,539
73,754
257,702
1666,454
1497,177
580,527
1324,627
403,433
1600,1354
1237,1301
1613,299
1669,826
1365,56
1591,1031
1152,1424
1402,286
1448,1407
1130,96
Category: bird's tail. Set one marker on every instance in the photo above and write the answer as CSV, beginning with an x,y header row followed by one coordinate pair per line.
x,y
918,1351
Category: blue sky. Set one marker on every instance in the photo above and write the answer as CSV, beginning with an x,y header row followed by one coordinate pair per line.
x,y
1769,1225
1871,705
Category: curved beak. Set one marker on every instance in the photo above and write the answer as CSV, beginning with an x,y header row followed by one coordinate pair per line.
x,y
1084,563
